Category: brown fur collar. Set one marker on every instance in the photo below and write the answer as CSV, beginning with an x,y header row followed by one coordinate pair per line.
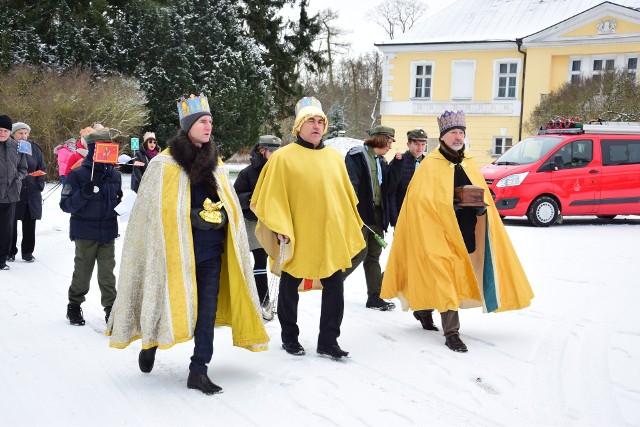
x,y
198,163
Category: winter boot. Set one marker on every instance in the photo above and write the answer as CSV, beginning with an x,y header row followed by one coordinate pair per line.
x,y
375,302
4,267
293,348
107,313
11,258
74,314
333,350
455,343
425,317
203,383
146,359
28,258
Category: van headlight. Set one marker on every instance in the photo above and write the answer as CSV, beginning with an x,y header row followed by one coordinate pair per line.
x,y
512,180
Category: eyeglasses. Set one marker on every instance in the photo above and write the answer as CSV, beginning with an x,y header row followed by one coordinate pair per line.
x,y
151,141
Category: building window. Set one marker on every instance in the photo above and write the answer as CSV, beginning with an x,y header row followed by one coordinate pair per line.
x,y
576,71
422,79
501,144
603,65
632,68
463,74
506,83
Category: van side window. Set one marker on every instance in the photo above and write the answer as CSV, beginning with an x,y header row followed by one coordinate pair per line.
x,y
576,154
620,151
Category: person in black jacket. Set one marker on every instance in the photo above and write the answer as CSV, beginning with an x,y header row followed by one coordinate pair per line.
x,y
147,152
90,194
244,185
29,208
367,169
401,170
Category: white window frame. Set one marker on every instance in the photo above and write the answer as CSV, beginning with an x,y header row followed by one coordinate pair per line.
x,y
633,71
465,75
414,76
497,75
503,145
578,72
621,62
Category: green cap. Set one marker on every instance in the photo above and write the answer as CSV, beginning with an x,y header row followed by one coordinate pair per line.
x,y
416,134
98,136
269,141
382,130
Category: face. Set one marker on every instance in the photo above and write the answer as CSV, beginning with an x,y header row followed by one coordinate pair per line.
x,y
4,134
417,147
200,132
21,135
267,154
381,151
312,129
151,144
454,139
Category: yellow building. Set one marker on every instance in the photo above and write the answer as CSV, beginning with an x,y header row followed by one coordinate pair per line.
x,y
496,59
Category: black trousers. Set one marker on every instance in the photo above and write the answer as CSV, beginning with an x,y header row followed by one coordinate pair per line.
x,y
331,311
208,280
7,213
28,234
260,274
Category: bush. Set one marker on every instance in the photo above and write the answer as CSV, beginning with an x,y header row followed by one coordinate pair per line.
x,y
57,105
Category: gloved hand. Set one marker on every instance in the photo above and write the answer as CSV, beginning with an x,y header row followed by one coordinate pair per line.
x,y
198,222
90,188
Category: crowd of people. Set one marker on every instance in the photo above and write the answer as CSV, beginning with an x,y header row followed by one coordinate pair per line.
x,y
317,214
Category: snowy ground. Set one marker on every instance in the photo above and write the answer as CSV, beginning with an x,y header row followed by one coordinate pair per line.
x,y
571,359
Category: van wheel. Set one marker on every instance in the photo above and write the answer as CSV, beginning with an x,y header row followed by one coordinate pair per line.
x,y
606,216
543,211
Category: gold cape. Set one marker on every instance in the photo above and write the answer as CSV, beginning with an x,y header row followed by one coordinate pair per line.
x,y
429,266
157,291
306,194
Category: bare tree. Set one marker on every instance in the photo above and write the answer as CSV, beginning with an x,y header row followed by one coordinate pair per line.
x,y
330,34
397,15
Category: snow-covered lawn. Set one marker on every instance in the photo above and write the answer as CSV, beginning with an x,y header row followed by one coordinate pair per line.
x,y
571,359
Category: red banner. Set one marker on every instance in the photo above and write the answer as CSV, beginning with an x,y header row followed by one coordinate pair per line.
x,y
106,152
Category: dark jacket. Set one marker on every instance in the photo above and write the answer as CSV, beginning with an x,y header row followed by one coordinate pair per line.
x,y
32,186
400,174
360,176
138,171
246,182
13,169
92,216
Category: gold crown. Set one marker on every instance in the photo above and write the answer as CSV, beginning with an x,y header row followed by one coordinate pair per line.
x,y
307,102
450,119
191,105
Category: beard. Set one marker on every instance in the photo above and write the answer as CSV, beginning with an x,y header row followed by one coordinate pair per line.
x,y
198,162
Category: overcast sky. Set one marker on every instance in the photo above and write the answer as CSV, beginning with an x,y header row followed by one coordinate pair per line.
x,y
352,17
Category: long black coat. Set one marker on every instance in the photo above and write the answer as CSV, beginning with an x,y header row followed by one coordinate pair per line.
x,y
360,176
246,182
92,216
32,186
13,169
138,171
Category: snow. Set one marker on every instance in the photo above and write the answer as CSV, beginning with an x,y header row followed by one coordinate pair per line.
x,y
571,359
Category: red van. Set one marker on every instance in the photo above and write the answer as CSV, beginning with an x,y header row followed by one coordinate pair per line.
x,y
593,170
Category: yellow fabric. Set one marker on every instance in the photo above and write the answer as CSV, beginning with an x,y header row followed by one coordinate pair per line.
x,y
428,265
306,194
157,290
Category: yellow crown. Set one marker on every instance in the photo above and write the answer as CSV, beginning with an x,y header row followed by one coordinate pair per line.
x,y
450,119
308,101
191,105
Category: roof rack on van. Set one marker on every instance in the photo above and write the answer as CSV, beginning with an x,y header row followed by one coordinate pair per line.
x,y
626,128
571,131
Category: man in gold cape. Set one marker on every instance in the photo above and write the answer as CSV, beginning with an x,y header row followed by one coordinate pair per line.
x,y
429,266
157,289
304,195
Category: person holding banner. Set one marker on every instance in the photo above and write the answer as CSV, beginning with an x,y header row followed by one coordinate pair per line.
x,y
13,169
29,208
90,194
304,195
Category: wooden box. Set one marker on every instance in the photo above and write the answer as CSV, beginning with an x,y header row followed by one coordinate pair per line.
x,y
469,195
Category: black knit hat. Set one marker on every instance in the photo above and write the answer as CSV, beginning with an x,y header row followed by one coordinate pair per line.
x,y
6,123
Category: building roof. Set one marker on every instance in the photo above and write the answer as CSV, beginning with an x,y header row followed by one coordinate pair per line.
x,y
496,20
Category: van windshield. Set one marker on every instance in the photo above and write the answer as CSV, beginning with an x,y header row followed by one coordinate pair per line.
x,y
529,150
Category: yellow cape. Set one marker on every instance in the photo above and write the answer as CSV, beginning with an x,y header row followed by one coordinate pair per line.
x,y
429,266
157,291
306,194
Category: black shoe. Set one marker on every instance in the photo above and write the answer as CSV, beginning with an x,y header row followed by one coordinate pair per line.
x,y
107,313
332,350
11,258
293,348
203,383
28,258
455,343
4,267
377,303
74,314
425,317
146,358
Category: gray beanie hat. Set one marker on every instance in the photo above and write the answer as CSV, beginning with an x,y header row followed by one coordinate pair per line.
x,y
187,122
20,125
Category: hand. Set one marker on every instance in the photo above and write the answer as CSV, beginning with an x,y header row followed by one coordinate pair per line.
x,y
398,155
283,238
481,210
90,188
